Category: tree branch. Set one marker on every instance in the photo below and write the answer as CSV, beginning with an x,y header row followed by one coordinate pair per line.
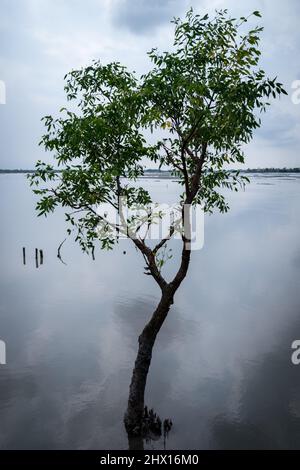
x,y
164,240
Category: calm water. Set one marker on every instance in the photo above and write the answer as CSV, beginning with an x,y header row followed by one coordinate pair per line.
x,y
221,367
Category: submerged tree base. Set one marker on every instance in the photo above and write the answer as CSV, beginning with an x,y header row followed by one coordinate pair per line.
x,y
150,426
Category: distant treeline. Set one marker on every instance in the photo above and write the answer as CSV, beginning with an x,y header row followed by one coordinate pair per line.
x,y
248,170
271,170
149,171
16,171
21,171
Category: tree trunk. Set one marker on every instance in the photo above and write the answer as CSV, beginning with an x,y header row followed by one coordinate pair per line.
x,y
133,418
134,414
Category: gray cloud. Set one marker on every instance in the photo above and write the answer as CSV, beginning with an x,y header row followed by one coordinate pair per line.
x,y
142,16
282,130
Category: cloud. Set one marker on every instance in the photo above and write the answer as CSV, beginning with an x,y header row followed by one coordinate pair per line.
x,y
142,16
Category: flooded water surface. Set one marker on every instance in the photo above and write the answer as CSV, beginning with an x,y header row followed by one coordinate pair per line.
x,y
221,368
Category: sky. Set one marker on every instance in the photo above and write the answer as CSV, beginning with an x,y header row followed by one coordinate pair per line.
x,y
42,40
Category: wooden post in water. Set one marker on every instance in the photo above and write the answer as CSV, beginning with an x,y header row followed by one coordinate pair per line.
x,y
36,258
41,257
24,256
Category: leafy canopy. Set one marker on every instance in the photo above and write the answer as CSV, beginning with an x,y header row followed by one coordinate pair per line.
x,y
202,100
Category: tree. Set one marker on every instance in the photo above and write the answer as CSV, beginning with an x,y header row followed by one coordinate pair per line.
x,y
201,101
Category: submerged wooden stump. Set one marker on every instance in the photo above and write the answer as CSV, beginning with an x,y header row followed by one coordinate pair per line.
x,y
41,257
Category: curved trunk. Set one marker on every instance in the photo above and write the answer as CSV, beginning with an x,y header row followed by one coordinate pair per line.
x,y
133,419
134,414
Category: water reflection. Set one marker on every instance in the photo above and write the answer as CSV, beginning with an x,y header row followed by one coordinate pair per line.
x,y
221,365
268,405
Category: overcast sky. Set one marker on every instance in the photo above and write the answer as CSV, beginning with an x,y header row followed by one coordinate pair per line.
x,y
41,40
